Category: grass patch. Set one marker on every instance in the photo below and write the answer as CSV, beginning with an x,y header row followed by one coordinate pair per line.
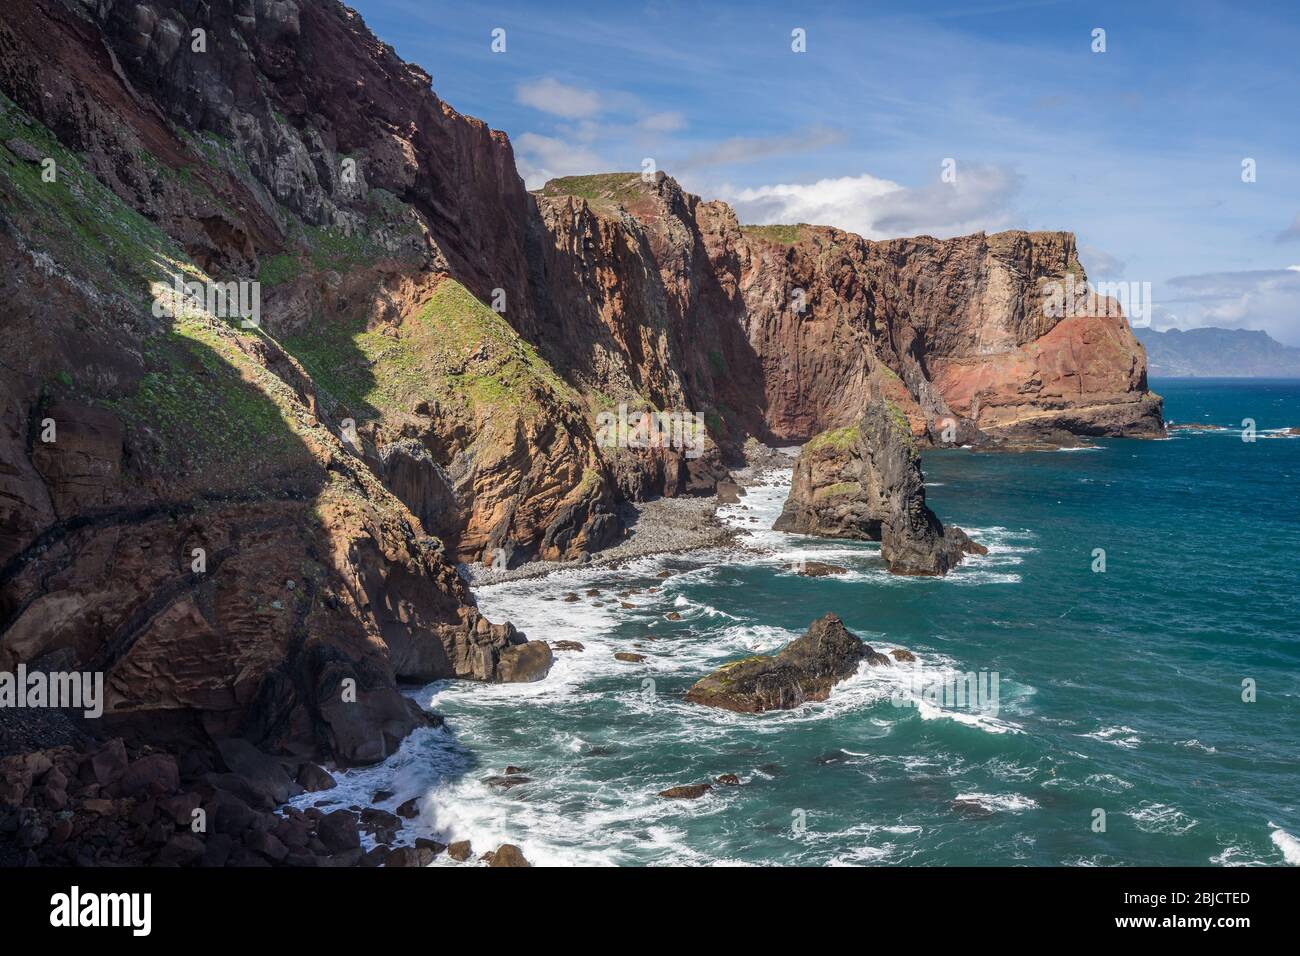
x,y
202,398
455,349
837,439
781,235
601,188
277,270
839,488
78,221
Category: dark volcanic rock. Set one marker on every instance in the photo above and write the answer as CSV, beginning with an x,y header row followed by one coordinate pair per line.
x,y
689,791
313,779
339,831
864,481
264,774
805,670
819,569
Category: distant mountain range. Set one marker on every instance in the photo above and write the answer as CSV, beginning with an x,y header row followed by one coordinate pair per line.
x,y
1221,353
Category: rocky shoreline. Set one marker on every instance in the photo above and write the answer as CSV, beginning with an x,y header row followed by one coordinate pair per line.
x,y
657,526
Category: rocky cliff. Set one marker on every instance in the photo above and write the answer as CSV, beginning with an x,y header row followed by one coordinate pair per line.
x,y
249,518
197,505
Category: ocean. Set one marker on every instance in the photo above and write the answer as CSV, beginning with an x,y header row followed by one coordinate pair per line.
x,y
1145,714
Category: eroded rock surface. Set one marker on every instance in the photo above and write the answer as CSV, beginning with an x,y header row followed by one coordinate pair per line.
x,y
864,482
805,670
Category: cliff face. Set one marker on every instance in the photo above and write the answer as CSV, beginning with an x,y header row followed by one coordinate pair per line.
x,y
185,506
961,323
434,350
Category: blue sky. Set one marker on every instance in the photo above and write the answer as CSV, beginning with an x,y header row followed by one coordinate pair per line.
x,y
1138,150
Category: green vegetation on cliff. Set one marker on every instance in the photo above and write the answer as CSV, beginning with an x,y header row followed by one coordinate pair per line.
x,y
202,408
79,223
599,187
784,235
455,349
837,439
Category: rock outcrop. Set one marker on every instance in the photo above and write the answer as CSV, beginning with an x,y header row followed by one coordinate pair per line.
x,y
863,481
805,670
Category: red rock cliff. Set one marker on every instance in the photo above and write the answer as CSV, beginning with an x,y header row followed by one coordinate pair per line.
x,y
434,349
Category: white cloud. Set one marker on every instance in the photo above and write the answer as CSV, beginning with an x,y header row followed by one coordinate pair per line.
x,y
1267,299
669,122
539,158
847,202
558,99
1100,264
881,209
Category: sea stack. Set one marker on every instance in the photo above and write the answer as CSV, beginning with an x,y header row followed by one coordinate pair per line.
x,y
864,482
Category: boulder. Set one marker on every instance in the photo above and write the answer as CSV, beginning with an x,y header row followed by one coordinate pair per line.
x,y
339,831
523,663
507,782
108,763
264,774
460,851
156,775
507,854
313,779
805,670
689,791
433,846
819,569
403,856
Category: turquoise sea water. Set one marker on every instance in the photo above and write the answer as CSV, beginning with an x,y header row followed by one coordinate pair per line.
x,y
1118,691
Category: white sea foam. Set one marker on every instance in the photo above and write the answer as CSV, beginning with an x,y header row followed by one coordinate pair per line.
x,y
574,812
1121,736
1285,842
998,802
1152,817
1236,856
